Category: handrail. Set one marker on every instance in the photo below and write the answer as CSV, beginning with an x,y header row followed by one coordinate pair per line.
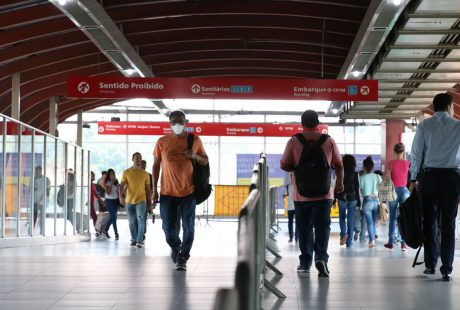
x,y
11,119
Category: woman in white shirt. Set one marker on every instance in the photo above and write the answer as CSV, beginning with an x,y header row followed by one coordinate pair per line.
x,y
368,184
111,201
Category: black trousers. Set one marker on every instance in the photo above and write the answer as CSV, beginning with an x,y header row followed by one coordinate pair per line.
x,y
440,189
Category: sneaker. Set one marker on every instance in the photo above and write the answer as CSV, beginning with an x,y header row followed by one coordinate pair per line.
x,y
344,239
371,244
290,240
174,254
355,238
139,245
389,246
403,247
303,269
429,271
133,244
322,268
117,237
181,264
106,234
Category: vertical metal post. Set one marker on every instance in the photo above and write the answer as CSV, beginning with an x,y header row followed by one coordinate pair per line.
x,y
55,184
65,189
45,185
89,183
82,191
3,179
75,192
18,191
32,187
219,157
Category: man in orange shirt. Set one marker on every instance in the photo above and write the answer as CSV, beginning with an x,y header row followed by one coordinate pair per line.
x,y
176,194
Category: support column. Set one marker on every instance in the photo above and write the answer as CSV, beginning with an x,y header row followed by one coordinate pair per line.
x,y
16,96
80,128
393,132
53,121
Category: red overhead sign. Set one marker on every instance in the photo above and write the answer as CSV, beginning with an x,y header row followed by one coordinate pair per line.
x,y
221,88
203,129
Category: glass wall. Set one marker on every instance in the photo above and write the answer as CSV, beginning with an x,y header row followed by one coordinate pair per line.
x,y
35,166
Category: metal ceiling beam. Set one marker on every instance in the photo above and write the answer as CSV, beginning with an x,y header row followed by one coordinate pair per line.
x,y
405,96
379,116
434,15
450,81
91,18
201,111
403,70
419,59
428,32
425,46
386,109
415,89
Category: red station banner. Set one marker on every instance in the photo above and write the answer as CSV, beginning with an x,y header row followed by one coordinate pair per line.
x,y
221,88
203,129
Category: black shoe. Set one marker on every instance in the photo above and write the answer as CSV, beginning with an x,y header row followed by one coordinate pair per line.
x,y
117,237
106,233
181,263
303,269
429,271
174,254
322,268
133,244
290,240
446,278
355,238
139,245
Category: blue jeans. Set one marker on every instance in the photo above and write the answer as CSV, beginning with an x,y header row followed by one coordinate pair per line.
x,y
402,193
347,213
112,206
169,207
311,214
136,220
292,231
371,214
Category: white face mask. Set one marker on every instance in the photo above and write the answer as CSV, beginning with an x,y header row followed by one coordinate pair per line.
x,y
177,128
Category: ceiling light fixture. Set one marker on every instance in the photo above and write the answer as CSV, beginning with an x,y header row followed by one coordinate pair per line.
x,y
62,2
397,2
356,73
129,71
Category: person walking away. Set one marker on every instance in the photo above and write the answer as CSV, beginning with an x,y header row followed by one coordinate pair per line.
x,y
436,150
398,170
312,154
175,161
111,201
100,184
349,200
288,193
94,196
135,184
144,166
368,184
42,187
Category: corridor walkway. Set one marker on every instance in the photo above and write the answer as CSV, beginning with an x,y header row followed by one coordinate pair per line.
x,y
108,274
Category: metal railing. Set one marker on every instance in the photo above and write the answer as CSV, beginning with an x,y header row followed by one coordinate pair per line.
x,y
28,205
253,239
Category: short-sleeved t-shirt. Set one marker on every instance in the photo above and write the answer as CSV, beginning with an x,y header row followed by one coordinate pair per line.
x,y
399,171
291,158
135,179
176,169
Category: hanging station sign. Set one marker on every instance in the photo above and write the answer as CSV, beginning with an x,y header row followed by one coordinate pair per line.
x,y
203,129
222,88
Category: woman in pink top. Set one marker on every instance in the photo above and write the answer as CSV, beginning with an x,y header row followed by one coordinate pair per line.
x,y
399,170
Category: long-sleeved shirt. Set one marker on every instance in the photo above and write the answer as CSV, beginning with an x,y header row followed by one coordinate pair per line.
x,y
436,143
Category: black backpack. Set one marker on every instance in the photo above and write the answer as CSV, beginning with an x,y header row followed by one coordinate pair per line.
x,y
410,222
313,172
200,176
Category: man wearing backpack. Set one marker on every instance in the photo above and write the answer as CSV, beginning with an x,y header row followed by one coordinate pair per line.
x,y
436,155
174,158
311,155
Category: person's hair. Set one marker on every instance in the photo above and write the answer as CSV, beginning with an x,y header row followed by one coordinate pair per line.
x,y
144,162
368,164
379,172
107,177
399,148
441,102
104,172
309,119
349,162
136,153
177,113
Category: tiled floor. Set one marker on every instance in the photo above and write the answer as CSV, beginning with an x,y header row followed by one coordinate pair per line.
x,y
109,274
